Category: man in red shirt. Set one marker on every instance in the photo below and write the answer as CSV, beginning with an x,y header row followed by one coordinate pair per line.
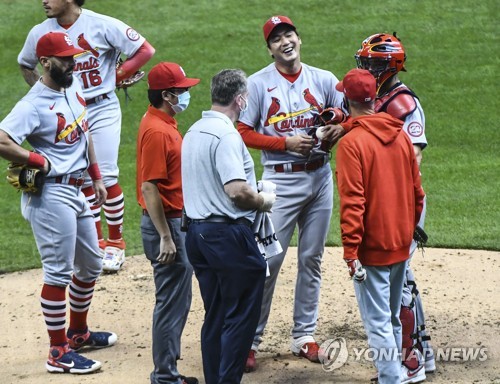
x,y
381,200
159,192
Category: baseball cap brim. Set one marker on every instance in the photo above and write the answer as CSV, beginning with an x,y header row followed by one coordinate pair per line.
x,y
187,83
69,52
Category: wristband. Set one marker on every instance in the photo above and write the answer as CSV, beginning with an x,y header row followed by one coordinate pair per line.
x,y
36,160
94,172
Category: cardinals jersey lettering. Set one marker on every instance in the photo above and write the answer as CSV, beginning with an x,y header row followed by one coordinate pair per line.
x,y
102,38
277,107
55,124
413,117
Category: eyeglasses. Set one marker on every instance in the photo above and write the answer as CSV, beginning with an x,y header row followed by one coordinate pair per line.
x,y
177,91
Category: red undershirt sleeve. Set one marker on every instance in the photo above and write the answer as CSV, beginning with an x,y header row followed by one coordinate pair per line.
x,y
259,141
134,63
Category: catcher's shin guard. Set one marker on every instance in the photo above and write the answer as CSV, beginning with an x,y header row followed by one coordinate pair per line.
x,y
418,308
413,327
409,328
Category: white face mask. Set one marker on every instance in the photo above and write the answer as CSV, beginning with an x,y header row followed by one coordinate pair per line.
x,y
182,102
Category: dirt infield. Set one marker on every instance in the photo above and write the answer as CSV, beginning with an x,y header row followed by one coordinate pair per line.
x,y
460,294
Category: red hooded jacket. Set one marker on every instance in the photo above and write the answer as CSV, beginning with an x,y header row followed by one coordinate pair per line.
x,y
381,197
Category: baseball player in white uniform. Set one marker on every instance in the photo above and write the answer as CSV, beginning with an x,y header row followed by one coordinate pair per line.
x,y
384,56
52,118
285,100
103,39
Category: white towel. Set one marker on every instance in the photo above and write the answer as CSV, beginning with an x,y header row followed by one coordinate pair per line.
x,y
263,228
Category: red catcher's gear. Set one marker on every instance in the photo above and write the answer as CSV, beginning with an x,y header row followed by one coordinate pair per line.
x,y
383,55
398,102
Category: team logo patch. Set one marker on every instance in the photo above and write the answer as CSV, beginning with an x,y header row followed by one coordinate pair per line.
x,y
275,20
132,34
415,129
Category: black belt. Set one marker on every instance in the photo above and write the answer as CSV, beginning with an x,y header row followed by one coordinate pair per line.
x,y
94,100
301,167
222,219
168,215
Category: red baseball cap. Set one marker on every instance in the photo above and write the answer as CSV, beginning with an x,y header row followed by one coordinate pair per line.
x,y
56,44
358,85
166,75
273,22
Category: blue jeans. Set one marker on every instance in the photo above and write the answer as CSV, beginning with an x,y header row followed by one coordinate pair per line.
x,y
173,300
231,273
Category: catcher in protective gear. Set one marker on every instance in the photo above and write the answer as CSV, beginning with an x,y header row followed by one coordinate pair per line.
x,y
383,55
25,178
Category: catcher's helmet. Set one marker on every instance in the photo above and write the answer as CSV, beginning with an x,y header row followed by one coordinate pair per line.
x,y
383,55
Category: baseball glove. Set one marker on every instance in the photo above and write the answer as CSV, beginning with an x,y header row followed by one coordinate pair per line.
x,y
130,81
420,236
331,116
25,178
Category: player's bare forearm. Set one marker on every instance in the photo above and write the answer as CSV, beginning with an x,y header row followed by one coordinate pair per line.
x,y
100,190
30,75
91,151
10,151
418,153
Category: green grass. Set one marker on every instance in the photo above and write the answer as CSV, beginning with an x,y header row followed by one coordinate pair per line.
x,y
452,64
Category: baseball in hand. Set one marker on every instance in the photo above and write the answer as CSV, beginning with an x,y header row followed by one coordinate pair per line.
x,y
320,132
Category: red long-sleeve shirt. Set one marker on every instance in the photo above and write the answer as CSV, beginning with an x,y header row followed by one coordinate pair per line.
x,y
381,196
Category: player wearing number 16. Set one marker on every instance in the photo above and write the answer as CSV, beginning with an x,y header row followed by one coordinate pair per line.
x,y
102,39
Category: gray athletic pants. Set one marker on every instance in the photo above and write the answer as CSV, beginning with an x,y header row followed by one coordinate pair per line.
x,y
379,302
173,300
304,200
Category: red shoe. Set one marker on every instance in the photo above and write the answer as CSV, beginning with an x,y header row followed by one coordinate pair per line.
x,y
251,364
307,350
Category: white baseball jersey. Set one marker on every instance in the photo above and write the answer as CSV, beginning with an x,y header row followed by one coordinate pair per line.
x,y
414,126
102,38
53,123
277,107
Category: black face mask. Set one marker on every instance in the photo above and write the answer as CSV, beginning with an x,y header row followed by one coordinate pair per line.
x,y
64,79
